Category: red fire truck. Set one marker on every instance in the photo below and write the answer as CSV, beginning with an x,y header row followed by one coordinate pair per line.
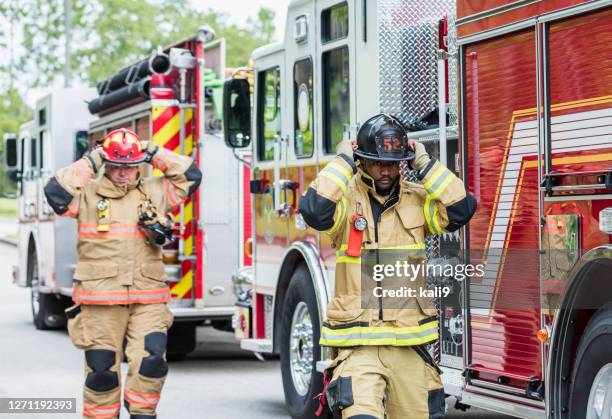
x,y
536,129
513,96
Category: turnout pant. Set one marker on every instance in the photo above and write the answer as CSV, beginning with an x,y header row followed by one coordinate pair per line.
x,y
101,331
369,381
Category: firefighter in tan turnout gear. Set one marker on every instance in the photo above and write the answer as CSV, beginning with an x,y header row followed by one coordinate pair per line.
x,y
119,283
361,201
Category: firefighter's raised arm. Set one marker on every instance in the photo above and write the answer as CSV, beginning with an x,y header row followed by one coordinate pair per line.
x,y
63,190
181,175
448,206
323,205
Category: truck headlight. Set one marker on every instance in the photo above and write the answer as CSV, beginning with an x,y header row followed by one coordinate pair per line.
x,y
605,220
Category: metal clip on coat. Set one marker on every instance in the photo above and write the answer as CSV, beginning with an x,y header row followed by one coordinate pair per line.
x,y
103,215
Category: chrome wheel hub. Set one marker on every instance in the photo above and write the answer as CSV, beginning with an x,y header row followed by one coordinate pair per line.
x,y
599,405
35,292
301,347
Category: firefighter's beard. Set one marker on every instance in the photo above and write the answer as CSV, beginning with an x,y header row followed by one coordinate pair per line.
x,y
385,184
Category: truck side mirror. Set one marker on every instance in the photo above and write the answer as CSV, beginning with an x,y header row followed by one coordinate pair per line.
x,y
11,160
237,113
81,144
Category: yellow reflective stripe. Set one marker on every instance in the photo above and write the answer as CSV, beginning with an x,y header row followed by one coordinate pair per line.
x,y
442,186
404,247
431,216
335,178
429,213
340,213
348,259
438,181
381,329
337,166
373,335
383,341
434,177
398,247
341,256
436,221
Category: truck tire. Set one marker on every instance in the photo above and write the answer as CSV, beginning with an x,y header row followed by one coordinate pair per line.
x,y
299,346
181,340
47,310
592,374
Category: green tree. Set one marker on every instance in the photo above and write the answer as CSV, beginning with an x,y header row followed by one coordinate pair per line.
x,y
109,34
264,24
43,28
10,15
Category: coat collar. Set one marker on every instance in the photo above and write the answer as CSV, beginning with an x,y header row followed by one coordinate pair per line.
x,y
107,189
366,183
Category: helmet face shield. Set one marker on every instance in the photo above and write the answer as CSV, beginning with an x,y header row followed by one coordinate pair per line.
x,y
383,137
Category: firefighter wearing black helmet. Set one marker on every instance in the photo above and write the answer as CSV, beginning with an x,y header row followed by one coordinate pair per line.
x,y
360,200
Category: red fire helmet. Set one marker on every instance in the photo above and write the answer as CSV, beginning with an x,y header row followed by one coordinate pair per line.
x,y
123,147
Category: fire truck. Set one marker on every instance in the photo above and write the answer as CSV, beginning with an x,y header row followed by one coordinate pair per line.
x,y
512,96
173,98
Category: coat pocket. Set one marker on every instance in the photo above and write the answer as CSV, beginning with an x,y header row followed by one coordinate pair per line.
x,y
76,327
154,270
86,271
345,308
412,220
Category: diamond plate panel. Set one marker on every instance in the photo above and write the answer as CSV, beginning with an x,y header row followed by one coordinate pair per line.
x,y
269,315
453,71
408,41
408,76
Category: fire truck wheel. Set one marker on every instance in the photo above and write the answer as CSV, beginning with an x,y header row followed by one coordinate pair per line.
x,y
47,309
299,348
592,375
181,340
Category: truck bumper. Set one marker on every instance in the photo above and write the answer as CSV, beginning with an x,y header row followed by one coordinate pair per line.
x,y
199,314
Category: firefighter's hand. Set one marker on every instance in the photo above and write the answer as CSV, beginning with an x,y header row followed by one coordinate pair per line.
x,y
150,149
97,157
346,147
421,158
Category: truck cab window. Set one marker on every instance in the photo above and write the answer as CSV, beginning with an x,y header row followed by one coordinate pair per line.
x,y
41,148
302,105
22,154
334,23
269,112
336,96
33,160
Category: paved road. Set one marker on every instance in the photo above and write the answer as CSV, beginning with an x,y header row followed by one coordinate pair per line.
x,y
8,227
217,381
